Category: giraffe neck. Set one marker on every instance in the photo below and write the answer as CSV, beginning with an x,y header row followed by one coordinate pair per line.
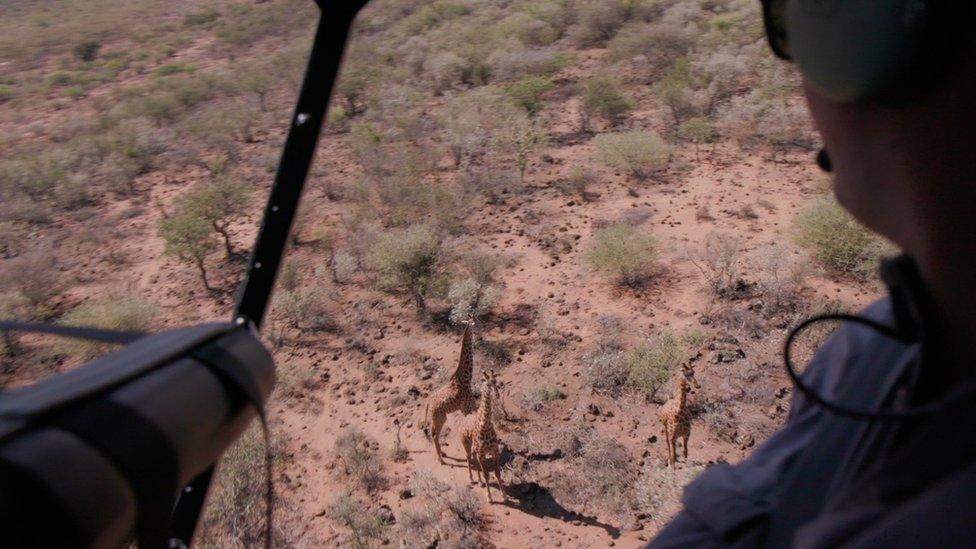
x,y
462,374
484,411
682,395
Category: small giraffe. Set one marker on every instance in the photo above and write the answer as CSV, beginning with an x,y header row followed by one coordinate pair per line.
x,y
456,396
479,438
675,415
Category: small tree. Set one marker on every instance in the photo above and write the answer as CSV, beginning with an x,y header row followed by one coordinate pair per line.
x,y
625,253
837,240
602,96
579,182
408,260
641,153
522,136
220,203
189,237
698,131
527,93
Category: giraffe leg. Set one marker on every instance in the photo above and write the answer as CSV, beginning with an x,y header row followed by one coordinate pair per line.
x,y
467,453
498,476
481,466
685,437
667,441
437,425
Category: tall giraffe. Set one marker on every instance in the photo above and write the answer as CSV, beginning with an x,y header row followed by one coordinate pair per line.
x,y
479,438
456,396
676,417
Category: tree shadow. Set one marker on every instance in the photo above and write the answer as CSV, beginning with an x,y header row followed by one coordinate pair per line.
x,y
536,500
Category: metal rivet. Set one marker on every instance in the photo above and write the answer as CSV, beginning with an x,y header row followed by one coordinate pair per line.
x,y
257,265
301,118
274,208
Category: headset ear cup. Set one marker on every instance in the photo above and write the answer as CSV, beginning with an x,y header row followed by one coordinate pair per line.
x,y
857,50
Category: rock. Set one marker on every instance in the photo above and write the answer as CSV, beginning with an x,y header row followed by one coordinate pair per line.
x,y
652,439
385,514
413,391
593,409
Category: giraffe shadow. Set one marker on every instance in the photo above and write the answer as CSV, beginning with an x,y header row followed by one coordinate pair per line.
x,y
536,500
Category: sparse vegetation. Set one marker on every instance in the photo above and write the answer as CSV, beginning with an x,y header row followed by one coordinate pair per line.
x,y
650,365
408,260
598,477
603,96
189,237
358,458
443,515
127,311
364,525
624,252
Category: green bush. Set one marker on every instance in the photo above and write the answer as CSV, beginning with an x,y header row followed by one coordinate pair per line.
x,y
88,50
7,93
471,299
698,131
306,309
527,93
639,153
202,18
650,366
127,311
602,96
625,253
837,240
408,260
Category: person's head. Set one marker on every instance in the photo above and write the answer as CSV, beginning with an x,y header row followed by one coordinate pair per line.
x,y
889,84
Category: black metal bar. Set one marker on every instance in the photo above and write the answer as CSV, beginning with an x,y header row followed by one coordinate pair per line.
x,y
323,67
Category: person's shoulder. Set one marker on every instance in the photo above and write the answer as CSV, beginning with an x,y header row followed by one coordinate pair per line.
x,y
852,346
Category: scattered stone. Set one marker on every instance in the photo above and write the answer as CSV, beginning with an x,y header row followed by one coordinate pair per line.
x,y
385,514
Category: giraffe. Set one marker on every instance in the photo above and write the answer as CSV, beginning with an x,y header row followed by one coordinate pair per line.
x,y
456,396
479,438
675,415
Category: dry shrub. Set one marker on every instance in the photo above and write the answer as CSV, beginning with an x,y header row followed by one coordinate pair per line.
x,y
660,488
625,253
598,21
537,399
719,260
650,365
127,311
578,183
35,277
358,458
442,516
408,260
657,44
603,97
471,299
516,64
598,477
837,240
305,309
780,276
364,524
235,510
639,153
605,367
446,70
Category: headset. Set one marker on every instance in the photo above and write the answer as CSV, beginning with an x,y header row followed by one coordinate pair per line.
x,y
888,52
885,52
